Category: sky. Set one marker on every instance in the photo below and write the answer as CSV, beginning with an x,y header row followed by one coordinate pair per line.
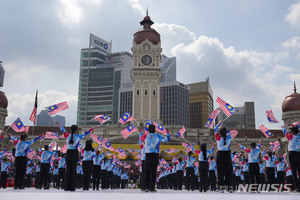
x,y
250,49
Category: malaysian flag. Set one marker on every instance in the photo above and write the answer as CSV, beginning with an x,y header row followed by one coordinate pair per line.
x,y
265,131
187,146
127,131
18,126
57,108
181,132
121,152
159,128
228,109
126,118
108,146
53,135
64,148
211,119
52,145
271,117
233,133
98,139
170,150
34,112
101,118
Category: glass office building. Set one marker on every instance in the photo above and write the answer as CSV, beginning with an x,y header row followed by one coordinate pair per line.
x,y
201,103
101,76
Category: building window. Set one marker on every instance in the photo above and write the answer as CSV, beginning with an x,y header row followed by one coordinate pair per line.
x,y
138,92
146,91
154,92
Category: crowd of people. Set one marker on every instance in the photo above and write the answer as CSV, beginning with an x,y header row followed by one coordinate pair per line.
x,y
201,169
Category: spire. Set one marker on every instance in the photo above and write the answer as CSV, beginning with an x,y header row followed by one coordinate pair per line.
x,y
295,89
147,11
147,22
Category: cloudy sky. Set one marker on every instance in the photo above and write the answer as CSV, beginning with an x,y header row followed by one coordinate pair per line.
x,y
249,49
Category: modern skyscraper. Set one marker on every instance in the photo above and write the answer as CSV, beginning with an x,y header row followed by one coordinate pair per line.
x,y
242,118
201,103
175,104
102,74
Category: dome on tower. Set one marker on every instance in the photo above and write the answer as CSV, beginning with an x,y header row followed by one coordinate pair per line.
x,y
3,100
291,102
146,32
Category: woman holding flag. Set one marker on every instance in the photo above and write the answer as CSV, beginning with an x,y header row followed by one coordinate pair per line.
x,y
72,140
224,163
22,147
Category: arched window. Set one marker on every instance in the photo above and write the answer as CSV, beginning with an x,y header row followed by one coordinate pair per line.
x,y
138,92
154,92
146,92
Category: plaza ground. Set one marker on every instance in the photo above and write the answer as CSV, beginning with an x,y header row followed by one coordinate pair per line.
x,y
136,194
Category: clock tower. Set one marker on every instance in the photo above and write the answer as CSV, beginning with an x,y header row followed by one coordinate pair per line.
x,y
146,73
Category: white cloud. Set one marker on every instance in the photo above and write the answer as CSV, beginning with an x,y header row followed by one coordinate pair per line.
x,y
294,15
136,5
293,43
69,12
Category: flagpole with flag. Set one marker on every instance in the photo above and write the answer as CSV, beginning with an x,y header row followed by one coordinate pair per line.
x,y
34,112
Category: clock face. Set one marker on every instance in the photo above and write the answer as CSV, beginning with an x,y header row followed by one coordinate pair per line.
x,y
146,59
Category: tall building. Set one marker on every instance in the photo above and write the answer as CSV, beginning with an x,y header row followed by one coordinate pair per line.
x,y
242,118
201,103
94,82
146,73
44,119
175,104
102,74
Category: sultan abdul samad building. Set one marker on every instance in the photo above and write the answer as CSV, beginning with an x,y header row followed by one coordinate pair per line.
x,y
145,76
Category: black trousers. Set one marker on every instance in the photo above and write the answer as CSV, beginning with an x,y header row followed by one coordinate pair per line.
x,y
280,177
224,166
261,178
104,176
21,163
87,168
28,180
71,161
179,175
213,180
203,172
174,180
96,176
3,179
246,177
271,175
190,178
143,175
254,173
151,167
55,181
61,176
294,158
45,167
37,179
110,179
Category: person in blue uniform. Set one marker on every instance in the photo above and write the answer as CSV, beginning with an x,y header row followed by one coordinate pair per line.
x,y
152,142
72,140
224,162
21,151
87,163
